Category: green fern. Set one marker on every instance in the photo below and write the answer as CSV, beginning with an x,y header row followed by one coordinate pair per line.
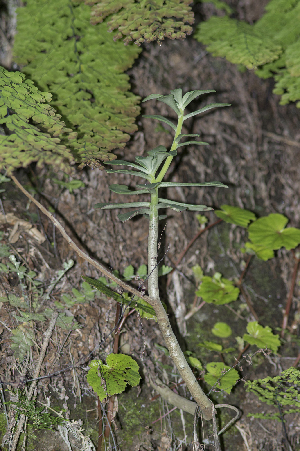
x,y
279,391
34,132
144,20
82,67
270,46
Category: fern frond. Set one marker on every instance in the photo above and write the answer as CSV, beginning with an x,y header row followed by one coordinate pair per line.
x,y
146,20
31,129
82,67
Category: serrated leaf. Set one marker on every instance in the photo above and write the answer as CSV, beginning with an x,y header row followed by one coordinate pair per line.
x,y
142,271
261,336
235,215
162,119
218,370
261,251
206,108
128,273
217,290
270,232
119,371
222,330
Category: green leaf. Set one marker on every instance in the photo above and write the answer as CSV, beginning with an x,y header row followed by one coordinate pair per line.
x,y
270,232
198,273
169,100
119,371
106,206
228,376
211,346
206,108
151,97
142,271
162,119
171,204
164,270
162,349
126,163
191,95
222,330
128,273
261,336
235,215
217,290
261,251
144,309
193,142
124,189
130,214
175,184
193,361
125,171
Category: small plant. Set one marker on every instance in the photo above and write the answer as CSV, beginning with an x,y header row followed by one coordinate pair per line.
x,y
279,391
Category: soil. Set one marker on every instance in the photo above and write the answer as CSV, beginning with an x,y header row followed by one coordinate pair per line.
x,y
254,149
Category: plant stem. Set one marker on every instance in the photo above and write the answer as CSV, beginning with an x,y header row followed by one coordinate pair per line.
x,y
175,351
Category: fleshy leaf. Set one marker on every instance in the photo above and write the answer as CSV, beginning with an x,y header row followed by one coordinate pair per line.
x,y
270,232
235,215
162,119
262,337
169,100
217,290
206,108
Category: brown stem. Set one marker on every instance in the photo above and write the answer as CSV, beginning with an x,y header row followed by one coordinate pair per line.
x,y
245,269
296,361
290,297
190,244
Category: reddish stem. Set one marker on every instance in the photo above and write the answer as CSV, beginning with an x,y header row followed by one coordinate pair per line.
x,y
290,297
